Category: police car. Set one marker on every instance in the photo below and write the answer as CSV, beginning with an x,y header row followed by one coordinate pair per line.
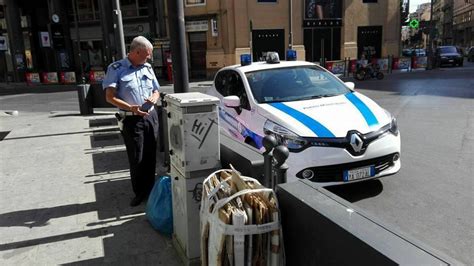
x,y
334,134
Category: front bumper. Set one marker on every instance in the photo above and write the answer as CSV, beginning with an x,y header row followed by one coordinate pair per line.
x,y
328,163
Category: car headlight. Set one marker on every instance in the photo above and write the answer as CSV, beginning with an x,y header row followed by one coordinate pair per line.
x,y
393,126
444,57
283,135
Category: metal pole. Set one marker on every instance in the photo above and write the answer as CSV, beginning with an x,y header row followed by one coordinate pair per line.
x,y
290,37
430,37
78,44
178,46
280,153
118,26
269,142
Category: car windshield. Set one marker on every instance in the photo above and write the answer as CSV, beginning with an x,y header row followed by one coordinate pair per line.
x,y
293,84
448,49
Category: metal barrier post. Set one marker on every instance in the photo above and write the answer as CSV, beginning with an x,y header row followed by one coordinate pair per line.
x,y
85,105
280,154
269,142
163,131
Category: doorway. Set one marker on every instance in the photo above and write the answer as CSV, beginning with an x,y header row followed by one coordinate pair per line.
x,y
369,42
197,50
322,44
264,41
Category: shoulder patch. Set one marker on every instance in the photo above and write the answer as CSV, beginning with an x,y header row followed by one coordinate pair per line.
x,y
116,65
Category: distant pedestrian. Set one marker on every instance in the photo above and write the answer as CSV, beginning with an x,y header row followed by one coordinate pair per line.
x,y
131,85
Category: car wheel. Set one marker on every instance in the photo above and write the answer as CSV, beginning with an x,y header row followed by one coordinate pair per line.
x,y
379,75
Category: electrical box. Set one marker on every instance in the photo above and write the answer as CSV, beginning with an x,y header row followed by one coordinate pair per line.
x,y
187,192
193,131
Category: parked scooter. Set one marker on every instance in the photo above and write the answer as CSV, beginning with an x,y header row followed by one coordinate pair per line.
x,y
368,71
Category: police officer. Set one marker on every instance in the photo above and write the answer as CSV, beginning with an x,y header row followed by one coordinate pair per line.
x,y
131,85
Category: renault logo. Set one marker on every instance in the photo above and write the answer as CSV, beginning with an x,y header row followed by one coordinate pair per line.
x,y
356,142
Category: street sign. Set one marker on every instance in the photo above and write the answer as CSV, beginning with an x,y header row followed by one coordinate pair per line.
x,y
414,24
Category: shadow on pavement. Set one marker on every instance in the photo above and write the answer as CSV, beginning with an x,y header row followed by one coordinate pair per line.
x,y
127,237
357,191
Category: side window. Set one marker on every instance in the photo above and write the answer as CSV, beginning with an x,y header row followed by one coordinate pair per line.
x,y
221,83
236,87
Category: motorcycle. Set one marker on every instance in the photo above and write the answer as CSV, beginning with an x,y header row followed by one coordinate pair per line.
x,y
368,71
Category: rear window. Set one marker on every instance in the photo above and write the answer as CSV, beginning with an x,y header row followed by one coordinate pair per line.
x,y
449,49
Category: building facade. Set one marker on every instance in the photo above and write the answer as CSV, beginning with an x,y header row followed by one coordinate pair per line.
x,y
463,23
80,34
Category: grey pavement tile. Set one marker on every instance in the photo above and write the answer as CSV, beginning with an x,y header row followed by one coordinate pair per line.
x,y
65,197
19,256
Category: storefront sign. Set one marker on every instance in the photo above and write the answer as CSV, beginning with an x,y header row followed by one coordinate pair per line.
x,y
3,43
199,25
45,41
135,29
50,77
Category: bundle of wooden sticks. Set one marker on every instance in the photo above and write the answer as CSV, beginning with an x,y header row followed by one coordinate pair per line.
x,y
240,222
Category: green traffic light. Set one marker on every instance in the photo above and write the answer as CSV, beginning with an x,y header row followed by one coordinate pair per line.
x,y
414,24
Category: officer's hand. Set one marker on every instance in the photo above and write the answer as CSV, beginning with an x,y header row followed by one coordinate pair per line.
x,y
136,110
153,98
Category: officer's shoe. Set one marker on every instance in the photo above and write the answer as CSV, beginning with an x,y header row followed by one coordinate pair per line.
x,y
136,201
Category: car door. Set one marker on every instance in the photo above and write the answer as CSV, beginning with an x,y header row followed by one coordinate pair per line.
x,y
236,122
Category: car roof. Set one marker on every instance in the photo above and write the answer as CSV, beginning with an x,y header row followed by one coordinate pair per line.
x,y
264,65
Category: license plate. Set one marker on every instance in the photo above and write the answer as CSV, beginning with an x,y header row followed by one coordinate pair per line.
x,y
359,173
450,61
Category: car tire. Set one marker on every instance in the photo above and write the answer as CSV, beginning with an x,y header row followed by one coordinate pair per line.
x,y
379,75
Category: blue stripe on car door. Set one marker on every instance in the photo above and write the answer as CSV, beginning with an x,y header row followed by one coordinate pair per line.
x,y
312,124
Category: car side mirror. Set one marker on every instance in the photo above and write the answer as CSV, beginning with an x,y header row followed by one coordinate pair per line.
x,y
232,101
350,85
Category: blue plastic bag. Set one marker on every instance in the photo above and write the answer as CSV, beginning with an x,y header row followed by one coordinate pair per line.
x,y
159,210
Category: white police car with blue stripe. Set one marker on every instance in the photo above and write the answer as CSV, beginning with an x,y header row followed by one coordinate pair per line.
x,y
334,134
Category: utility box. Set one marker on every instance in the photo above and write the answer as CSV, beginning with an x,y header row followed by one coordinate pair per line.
x,y
194,148
187,192
193,131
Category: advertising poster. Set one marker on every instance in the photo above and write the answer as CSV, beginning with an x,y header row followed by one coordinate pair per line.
x,y
52,77
336,67
404,63
68,77
45,41
383,63
96,76
33,78
421,62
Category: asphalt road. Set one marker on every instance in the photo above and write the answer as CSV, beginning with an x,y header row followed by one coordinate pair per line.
x,y
431,198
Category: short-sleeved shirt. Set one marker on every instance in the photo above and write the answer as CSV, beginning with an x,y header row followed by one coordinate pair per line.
x,y
133,84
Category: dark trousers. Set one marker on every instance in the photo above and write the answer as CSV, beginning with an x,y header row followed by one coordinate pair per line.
x,y
140,135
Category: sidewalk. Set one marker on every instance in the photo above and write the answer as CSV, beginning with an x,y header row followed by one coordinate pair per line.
x,y
65,193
